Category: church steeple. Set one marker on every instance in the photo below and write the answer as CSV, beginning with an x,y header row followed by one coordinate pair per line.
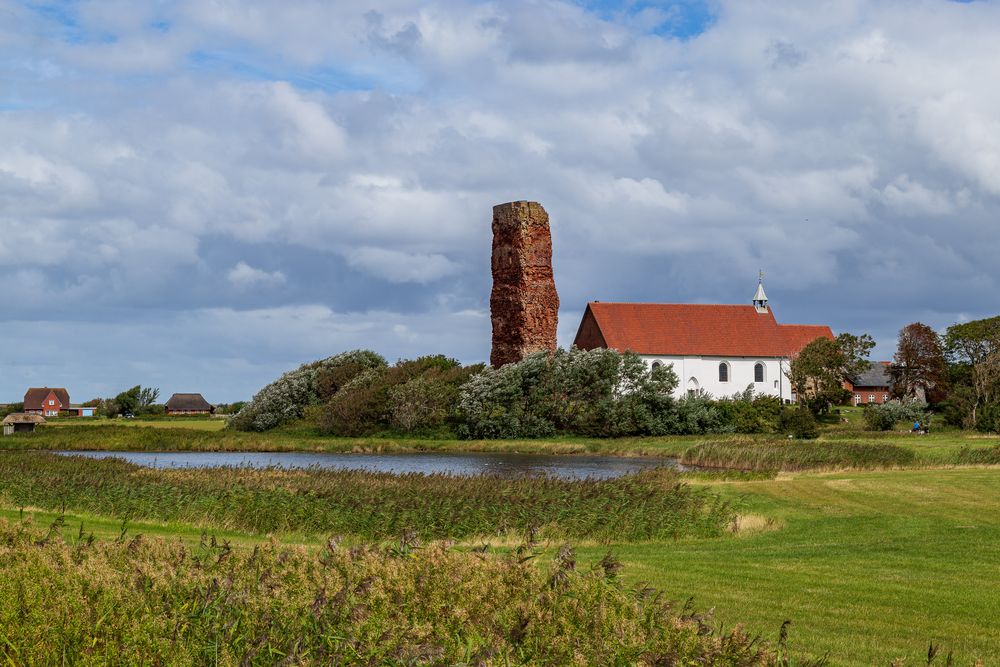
x,y
759,297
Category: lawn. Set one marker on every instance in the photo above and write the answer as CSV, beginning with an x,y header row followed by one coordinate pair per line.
x,y
869,566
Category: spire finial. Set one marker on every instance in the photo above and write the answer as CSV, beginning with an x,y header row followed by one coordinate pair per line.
x,y
760,298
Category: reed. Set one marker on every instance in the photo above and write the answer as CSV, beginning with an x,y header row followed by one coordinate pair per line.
x,y
795,455
148,601
653,505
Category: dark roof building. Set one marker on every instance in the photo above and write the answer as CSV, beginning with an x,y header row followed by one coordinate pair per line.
x,y
188,404
873,385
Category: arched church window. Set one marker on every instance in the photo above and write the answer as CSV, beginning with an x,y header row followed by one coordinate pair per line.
x,y
656,364
758,372
723,372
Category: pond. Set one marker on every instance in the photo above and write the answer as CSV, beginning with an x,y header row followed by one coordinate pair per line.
x,y
472,463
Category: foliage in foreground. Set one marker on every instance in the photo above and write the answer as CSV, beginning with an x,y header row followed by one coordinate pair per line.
x,y
653,505
797,455
144,601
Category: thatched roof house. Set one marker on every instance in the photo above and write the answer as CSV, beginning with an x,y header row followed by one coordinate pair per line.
x,y
20,422
188,404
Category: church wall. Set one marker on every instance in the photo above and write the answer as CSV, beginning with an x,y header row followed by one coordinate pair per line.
x,y
705,371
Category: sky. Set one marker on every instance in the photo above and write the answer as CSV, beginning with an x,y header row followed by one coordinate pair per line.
x,y
200,195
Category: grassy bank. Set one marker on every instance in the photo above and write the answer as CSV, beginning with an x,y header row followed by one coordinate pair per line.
x,y
837,447
147,601
798,455
655,505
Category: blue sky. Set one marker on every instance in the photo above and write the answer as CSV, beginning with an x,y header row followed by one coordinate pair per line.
x,y
198,196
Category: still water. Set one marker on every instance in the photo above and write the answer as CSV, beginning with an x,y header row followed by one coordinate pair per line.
x,y
509,465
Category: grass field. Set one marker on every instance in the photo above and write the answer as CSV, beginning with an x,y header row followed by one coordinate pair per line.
x,y
870,564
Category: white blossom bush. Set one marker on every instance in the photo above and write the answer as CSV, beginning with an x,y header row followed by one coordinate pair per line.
x,y
589,392
883,417
286,398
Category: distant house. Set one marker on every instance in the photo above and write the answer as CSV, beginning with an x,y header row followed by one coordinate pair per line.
x,y
46,401
21,423
189,404
874,385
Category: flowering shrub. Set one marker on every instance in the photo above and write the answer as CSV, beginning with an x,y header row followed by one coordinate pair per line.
x,y
590,392
286,398
883,417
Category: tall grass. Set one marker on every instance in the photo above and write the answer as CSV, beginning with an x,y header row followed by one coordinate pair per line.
x,y
979,456
796,455
144,601
653,505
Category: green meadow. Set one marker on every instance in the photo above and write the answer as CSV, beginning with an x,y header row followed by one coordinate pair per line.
x,y
874,546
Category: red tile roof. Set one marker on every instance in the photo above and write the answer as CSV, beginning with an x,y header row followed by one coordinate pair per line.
x,y
671,329
35,397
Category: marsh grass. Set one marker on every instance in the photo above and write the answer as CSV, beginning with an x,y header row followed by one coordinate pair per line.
x,y
150,601
979,456
797,455
653,505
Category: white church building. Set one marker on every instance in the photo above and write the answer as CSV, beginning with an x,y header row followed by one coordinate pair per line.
x,y
718,349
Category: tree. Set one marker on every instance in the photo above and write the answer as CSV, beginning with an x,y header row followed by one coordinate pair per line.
x,y
817,373
976,347
136,400
919,368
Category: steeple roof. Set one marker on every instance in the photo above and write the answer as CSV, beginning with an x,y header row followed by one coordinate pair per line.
x,y
759,294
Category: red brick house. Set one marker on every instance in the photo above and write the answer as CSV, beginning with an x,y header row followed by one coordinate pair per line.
x,y
46,401
872,386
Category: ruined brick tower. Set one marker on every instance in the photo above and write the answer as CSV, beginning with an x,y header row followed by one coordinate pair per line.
x,y
524,305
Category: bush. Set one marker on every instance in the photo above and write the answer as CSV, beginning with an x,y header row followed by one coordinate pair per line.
x,y
412,395
988,418
286,398
883,417
588,392
799,423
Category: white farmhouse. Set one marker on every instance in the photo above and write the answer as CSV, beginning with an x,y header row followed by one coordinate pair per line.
x,y
718,349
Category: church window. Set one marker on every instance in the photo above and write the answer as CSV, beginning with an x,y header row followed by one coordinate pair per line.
x,y
758,372
723,372
656,364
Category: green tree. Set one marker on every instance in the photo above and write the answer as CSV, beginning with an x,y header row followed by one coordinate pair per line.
x,y
134,401
817,373
975,348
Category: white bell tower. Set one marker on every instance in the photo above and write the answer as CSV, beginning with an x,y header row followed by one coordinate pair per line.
x,y
759,297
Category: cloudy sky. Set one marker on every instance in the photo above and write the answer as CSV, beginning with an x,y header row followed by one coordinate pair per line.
x,y
197,195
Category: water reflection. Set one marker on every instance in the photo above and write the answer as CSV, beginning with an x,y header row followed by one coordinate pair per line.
x,y
508,465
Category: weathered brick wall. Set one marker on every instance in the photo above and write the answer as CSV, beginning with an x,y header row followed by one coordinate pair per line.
x,y
524,305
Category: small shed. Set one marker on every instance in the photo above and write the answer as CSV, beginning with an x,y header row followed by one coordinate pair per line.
x,y
21,423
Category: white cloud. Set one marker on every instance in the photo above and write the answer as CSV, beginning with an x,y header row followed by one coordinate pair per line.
x,y
150,152
244,276
401,267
